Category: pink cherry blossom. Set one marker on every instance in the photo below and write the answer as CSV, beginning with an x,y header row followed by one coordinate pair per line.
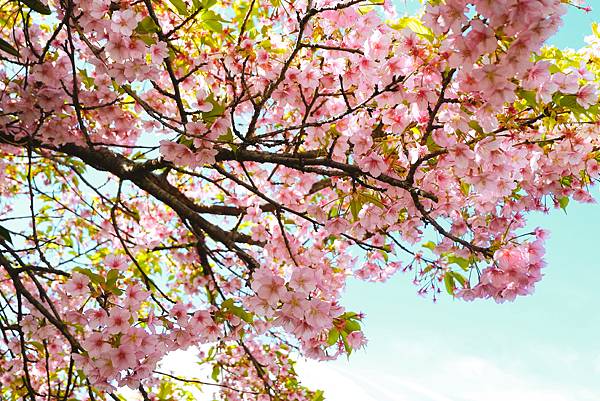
x,y
118,262
158,52
123,357
118,321
373,164
378,45
77,285
336,226
303,280
587,95
268,286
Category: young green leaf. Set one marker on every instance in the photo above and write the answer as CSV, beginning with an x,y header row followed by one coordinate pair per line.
x,y
215,372
180,6
563,203
570,102
355,207
459,277
352,325
429,245
529,97
462,262
333,336
212,21
111,278
206,4
318,396
449,283
147,25
94,278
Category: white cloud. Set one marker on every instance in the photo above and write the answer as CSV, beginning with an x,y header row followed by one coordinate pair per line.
x,y
349,384
433,372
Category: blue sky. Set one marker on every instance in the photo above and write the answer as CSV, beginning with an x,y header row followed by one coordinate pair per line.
x,y
542,347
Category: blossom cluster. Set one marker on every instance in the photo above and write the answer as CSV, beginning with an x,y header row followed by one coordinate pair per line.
x,y
248,159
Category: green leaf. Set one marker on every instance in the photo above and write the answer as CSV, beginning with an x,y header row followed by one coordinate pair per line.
x,y
351,325
415,25
366,197
475,125
37,5
206,4
431,145
94,278
218,109
229,306
566,181
184,140
7,48
111,278
355,207
211,353
212,21
86,79
462,262
5,235
147,25
215,372
229,139
347,346
595,29
528,96
428,268
180,6
242,314
38,345
165,390
460,278
563,202
333,336
553,69
348,315
570,102
385,255
429,245
449,283
226,137
465,188
318,396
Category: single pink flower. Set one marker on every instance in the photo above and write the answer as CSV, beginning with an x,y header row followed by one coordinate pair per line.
x,y
77,284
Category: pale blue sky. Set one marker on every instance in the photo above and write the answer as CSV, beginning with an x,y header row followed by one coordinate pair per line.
x,y
542,347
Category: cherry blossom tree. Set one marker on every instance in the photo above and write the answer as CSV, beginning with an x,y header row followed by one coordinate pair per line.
x,y
206,175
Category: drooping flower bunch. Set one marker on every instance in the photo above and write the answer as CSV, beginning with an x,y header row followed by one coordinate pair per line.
x,y
184,174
